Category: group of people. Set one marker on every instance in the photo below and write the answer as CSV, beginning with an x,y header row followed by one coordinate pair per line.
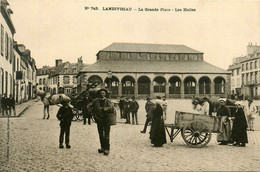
x,y
101,108
8,105
235,131
156,114
128,107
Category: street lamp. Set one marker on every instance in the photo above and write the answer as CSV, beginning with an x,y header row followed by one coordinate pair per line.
x,y
109,76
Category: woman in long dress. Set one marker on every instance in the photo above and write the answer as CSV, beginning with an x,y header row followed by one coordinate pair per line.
x,y
157,134
239,133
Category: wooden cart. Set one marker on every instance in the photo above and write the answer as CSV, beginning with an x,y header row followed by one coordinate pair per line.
x,y
195,129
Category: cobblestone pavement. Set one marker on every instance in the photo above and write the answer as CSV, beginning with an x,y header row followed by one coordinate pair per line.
x,y
33,146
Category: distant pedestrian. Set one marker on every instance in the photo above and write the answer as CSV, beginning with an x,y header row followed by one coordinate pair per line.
x,y
157,134
65,116
134,106
239,130
121,107
11,104
205,106
101,109
164,105
85,109
149,106
4,105
251,111
223,111
127,110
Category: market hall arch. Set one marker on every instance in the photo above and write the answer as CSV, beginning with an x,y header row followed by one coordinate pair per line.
x,y
159,84
190,85
112,85
175,86
95,79
204,85
144,83
219,83
128,85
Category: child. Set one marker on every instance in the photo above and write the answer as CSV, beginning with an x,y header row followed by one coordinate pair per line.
x,y
65,116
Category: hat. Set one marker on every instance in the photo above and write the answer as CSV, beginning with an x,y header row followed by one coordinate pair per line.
x,y
222,100
102,89
250,100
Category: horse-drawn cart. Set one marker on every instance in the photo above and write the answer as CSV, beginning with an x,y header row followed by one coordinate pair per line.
x,y
195,129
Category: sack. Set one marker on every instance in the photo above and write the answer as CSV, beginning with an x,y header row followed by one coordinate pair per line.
x,y
111,117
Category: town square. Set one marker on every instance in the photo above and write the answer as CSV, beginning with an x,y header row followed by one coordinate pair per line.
x,y
127,86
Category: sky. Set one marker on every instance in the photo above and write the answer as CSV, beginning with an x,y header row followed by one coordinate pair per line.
x,y
69,29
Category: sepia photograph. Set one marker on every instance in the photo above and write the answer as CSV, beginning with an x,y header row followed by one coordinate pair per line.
x,y
129,85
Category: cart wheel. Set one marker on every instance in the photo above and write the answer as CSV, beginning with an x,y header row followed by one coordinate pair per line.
x,y
196,134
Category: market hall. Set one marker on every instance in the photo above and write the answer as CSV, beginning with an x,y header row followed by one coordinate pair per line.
x,y
141,70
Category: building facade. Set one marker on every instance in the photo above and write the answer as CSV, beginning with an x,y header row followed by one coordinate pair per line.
x,y
174,71
59,79
6,49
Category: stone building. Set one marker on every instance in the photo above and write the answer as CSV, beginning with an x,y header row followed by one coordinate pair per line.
x,y
174,71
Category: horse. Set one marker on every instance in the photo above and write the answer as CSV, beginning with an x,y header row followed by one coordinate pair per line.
x,y
49,99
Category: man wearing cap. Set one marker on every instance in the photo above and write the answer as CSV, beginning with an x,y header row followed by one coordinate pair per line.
x,y
225,128
101,109
134,106
251,110
149,106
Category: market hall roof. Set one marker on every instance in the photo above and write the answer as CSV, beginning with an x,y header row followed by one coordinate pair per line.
x,y
152,48
153,66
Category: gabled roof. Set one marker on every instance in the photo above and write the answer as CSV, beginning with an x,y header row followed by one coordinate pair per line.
x,y
154,66
152,48
61,69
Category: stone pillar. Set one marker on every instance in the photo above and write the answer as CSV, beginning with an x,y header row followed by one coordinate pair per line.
x,y
167,86
136,90
151,90
197,90
119,89
182,90
212,88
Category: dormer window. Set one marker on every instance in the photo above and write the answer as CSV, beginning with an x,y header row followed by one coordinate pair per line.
x,y
74,70
65,70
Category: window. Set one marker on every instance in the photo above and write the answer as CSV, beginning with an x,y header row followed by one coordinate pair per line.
x,y
74,70
55,80
40,81
255,64
18,69
74,80
66,79
43,82
65,70
10,51
2,39
238,82
255,77
237,71
6,46
251,65
246,66
232,74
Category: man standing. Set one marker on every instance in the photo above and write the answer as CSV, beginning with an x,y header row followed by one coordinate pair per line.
x,y
4,105
225,128
85,111
164,105
134,106
149,106
205,106
11,104
251,110
127,110
101,109
121,107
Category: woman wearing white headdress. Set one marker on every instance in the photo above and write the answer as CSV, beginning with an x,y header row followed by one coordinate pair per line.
x,y
157,134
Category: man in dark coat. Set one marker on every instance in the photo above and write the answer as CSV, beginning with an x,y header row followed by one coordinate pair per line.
x,y
85,109
101,108
134,106
157,134
127,110
65,116
239,130
11,104
149,106
121,107
223,111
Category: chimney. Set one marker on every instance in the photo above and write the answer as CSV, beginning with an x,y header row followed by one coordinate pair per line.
x,y
80,61
21,48
58,62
